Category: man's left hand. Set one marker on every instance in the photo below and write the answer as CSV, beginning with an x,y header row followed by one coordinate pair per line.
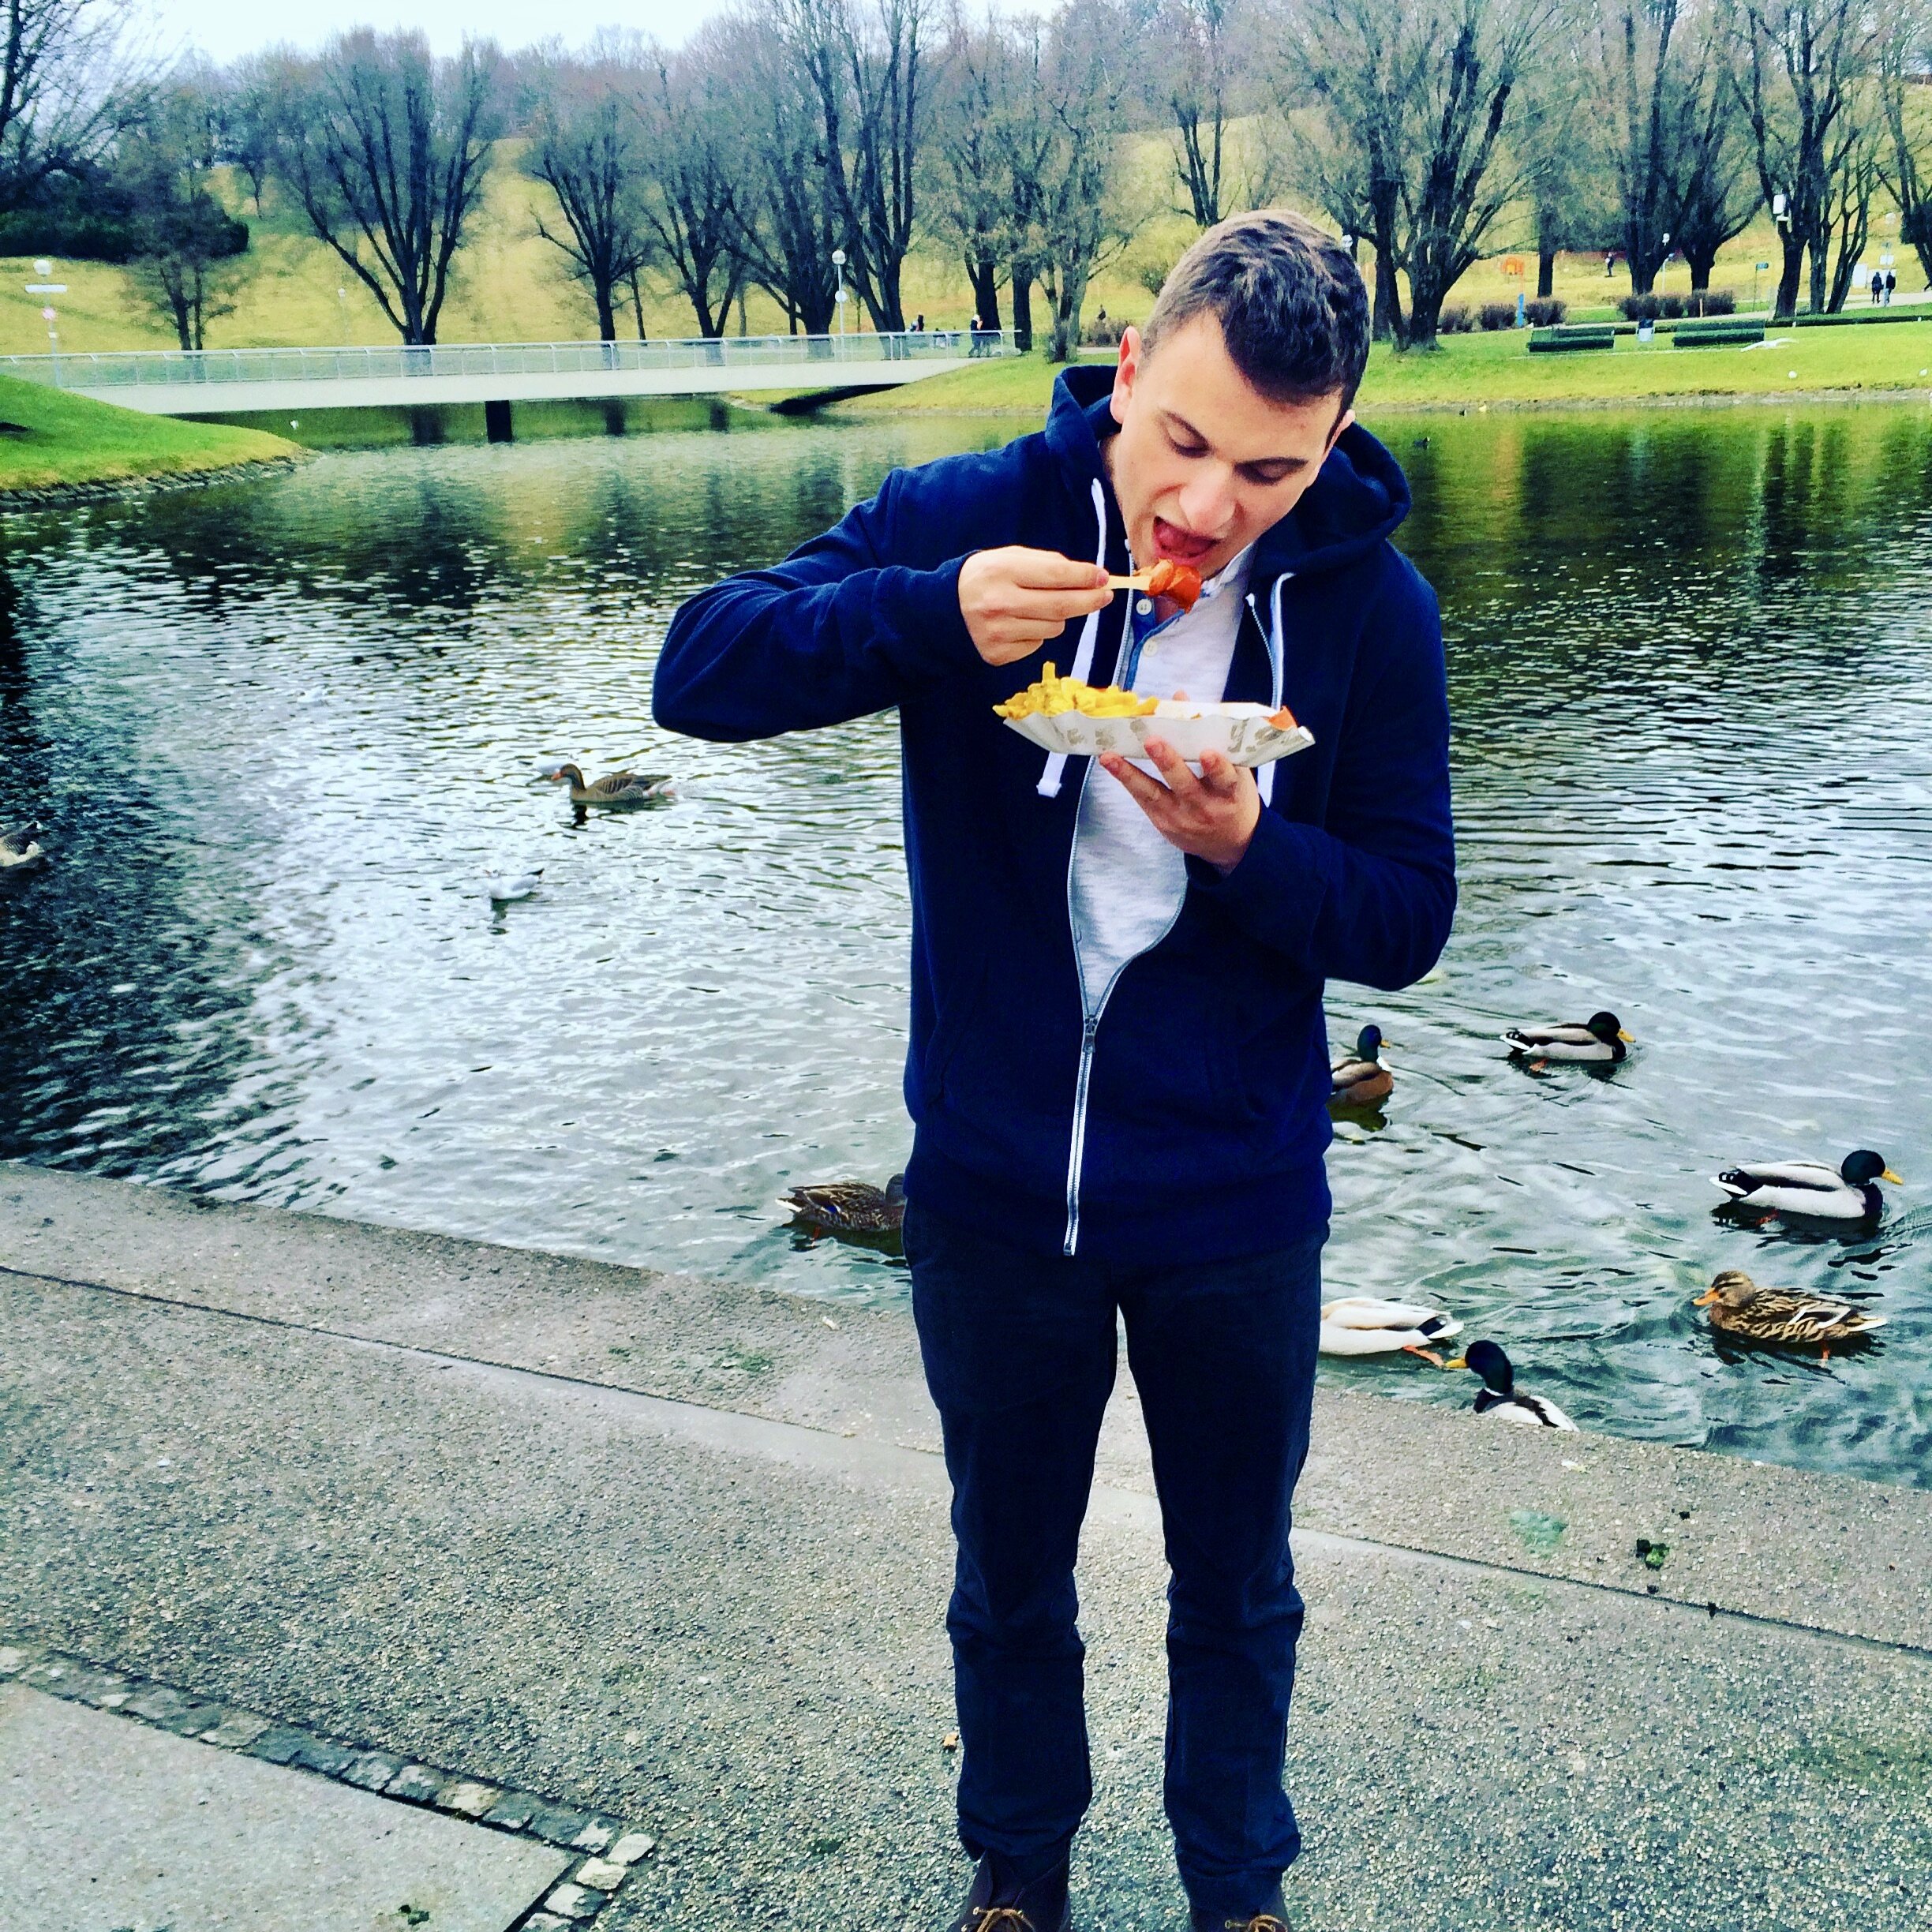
x,y
1212,816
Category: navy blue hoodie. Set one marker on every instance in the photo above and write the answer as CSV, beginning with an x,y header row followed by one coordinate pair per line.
x,y
1187,1118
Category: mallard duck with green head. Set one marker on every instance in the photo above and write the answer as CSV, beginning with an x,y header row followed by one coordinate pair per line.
x,y
1361,1080
1598,1041
1812,1190
1499,1396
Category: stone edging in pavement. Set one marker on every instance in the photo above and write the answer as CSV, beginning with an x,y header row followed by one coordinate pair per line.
x,y
611,1849
108,489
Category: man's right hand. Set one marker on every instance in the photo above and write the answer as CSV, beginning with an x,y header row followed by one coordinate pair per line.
x,y
1014,599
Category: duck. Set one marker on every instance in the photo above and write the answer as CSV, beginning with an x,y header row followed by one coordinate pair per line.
x,y
1600,1039
504,888
1810,1189
1500,1395
617,787
849,1206
1738,1306
1361,1325
21,845
1361,1079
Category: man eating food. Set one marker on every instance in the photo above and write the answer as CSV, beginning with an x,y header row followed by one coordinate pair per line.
x,y
1151,1156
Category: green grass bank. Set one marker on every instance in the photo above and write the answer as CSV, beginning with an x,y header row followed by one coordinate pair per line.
x,y
49,440
1497,368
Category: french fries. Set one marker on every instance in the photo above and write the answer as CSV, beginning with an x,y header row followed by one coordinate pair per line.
x,y
1054,695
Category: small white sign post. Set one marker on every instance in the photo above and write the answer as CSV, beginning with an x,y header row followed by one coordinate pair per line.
x,y
44,268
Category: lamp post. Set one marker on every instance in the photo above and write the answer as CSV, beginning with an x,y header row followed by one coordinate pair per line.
x,y
838,266
342,309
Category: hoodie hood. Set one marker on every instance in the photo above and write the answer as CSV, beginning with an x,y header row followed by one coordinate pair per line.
x,y
1356,502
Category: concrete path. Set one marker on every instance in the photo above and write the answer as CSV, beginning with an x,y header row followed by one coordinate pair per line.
x,y
676,1552
106,1822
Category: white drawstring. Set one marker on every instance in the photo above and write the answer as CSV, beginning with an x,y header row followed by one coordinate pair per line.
x,y
1048,785
1264,780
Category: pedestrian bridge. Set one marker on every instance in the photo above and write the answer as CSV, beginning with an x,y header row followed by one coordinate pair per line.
x,y
224,382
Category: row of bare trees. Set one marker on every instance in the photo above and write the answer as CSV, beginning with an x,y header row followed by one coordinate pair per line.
x,y
1652,126
789,130
1434,131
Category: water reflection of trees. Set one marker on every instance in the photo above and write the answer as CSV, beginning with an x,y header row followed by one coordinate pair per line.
x,y
1602,564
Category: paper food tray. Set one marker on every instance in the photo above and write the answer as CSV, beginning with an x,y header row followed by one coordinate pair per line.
x,y
1241,732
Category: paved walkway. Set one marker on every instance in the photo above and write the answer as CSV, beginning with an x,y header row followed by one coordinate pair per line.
x,y
674,1553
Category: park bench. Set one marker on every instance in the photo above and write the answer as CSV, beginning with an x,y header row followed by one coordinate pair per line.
x,y
1705,334
1572,335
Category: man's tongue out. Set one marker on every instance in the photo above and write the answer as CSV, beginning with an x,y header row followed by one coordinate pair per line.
x,y
1182,545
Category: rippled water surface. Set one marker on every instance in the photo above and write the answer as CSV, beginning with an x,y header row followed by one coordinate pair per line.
x,y
281,730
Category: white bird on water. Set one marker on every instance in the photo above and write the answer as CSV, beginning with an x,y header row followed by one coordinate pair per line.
x,y
504,888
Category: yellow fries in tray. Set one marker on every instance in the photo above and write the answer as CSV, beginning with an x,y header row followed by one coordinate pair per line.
x,y
1054,696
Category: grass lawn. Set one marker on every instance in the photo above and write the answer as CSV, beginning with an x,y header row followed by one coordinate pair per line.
x,y
1480,369
50,438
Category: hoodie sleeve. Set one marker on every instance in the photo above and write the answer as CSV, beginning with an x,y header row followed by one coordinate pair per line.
x,y
1369,895
837,631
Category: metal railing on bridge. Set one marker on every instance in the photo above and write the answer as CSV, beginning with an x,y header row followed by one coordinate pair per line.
x,y
813,355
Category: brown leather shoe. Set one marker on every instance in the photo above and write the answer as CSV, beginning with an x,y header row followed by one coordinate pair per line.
x,y
996,1904
1270,1916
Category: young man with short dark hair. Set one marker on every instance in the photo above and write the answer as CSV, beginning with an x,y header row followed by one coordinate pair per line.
x,y
1117,1068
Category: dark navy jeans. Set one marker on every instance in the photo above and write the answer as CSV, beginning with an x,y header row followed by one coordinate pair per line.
x,y
1020,1356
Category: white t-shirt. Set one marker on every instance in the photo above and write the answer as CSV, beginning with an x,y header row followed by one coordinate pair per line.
x,y
1126,883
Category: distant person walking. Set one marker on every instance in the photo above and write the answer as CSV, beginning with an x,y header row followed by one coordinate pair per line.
x,y
1877,287
1891,275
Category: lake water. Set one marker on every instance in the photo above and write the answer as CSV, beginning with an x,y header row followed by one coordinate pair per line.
x,y
281,730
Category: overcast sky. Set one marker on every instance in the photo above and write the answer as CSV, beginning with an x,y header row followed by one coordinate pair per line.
x,y
224,28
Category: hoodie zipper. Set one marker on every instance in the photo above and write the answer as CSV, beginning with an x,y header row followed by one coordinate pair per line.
x,y
1090,1027
1077,1150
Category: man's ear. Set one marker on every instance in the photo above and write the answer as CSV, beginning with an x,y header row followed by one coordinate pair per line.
x,y
1124,373
1335,435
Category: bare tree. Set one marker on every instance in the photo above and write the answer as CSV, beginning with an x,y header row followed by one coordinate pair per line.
x,y
1423,94
1803,62
971,156
65,89
253,110
1566,158
1062,133
1194,68
695,188
188,245
1905,159
386,150
1639,54
864,57
1846,225
587,145
788,218
1714,189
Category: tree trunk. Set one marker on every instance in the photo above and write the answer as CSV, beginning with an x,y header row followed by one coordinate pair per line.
x,y
986,290
1546,273
607,318
1786,305
1022,307
1702,262
1425,304
1388,319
